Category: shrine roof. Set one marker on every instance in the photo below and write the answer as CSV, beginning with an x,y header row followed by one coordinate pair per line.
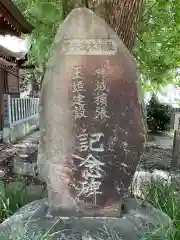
x,y
11,20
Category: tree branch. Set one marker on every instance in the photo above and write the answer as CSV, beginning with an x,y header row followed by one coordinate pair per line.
x,y
137,35
149,10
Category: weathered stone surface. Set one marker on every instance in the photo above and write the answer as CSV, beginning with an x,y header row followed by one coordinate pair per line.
x,y
91,128
30,222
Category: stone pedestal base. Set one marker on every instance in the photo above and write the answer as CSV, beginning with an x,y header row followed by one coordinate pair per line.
x,y
115,210
137,219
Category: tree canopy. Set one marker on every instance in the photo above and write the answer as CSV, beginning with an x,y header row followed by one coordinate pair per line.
x,y
45,17
157,48
158,44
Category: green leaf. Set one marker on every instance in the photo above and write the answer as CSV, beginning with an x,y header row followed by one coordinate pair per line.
x,y
2,190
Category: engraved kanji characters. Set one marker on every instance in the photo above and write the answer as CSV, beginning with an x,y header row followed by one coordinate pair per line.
x,y
101,74
78,99
77,88
92,144
77,73
89,188
91,175
89,45
101,112
90,162
101,94
79,106
101,99
95,138
92,46
83,141
107,46
100,86
92,167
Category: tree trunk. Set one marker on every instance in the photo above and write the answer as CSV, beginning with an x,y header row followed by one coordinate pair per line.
x,y
121,15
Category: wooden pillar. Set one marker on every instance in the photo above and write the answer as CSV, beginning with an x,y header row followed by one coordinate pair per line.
x,y
6,118
1,99
6,111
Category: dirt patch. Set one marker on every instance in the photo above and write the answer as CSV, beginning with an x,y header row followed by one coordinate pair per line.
x,y
7,151
155,157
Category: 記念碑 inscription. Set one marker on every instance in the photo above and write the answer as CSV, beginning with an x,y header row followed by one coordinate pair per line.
x,y
92,166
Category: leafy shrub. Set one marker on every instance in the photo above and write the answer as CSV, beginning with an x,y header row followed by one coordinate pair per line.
x,y
164,197
158,115
11,199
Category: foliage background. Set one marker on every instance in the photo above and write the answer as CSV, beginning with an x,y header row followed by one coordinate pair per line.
x,y
157,48
158,44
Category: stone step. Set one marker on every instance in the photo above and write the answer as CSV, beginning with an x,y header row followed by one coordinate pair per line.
x,y
24,168
25,161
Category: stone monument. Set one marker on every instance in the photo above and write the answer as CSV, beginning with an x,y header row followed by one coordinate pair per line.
x,y
91,123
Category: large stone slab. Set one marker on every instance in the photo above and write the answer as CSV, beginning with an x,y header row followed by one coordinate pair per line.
x,y
139,218
91,128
